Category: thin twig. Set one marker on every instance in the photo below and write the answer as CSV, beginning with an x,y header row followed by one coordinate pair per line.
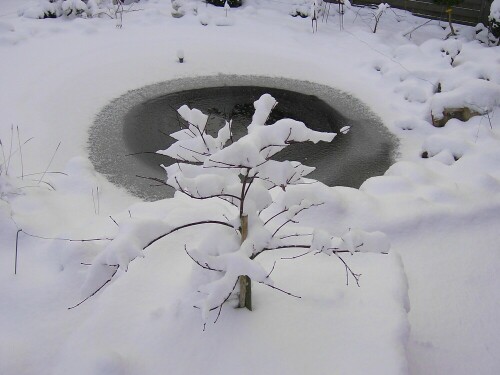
x,y
114,221
65,239
90,264
142,153
416,28
37,186
20,152
98,201
93,201
296,235
297,256
182,190
279,289
34,174
17,242
48,166
349,270
272,269
3,154
187,226
205,266
162,132
10,150
275,215
7,160
225,300
95,292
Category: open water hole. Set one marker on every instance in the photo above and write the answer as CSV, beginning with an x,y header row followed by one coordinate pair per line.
x,y
127,132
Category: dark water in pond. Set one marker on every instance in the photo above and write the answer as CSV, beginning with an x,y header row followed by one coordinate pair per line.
x,y
366,151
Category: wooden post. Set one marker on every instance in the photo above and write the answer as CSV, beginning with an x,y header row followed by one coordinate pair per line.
x,y
244,281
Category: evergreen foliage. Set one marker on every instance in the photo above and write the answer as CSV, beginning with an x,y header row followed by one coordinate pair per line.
x,y
220,3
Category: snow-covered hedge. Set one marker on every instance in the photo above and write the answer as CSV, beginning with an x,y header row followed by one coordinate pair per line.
x,y
67,8
494,18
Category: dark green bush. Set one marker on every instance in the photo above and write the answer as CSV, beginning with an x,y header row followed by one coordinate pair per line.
x,y
220,3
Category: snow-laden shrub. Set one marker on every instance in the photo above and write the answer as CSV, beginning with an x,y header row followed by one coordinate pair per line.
x,y
494,19
485,35
74,7
254,201
182,7
68,8
44,9
381,9
302,9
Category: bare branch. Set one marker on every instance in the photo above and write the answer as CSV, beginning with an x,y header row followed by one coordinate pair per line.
x,y
10,149
65,239
416,28
272,269
276,215
142,153
96,291
279,289
229,165
348,271
3,155
114,221
20,152
37,186
252,179
6,161
295,235
159,180
34,174
225,300
195,152
290,220
17,242
182,190
297,256
272,145
187,226
150,243
205,266
228,200
89,264
50,162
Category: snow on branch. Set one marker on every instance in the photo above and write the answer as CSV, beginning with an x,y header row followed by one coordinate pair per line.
x,y
250,188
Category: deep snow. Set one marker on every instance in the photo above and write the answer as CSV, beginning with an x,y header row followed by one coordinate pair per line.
x,y
441,213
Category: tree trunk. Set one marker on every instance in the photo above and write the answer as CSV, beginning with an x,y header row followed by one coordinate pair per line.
x,y
244,281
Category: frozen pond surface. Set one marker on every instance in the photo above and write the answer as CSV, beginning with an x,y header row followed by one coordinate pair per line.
x,y
139,122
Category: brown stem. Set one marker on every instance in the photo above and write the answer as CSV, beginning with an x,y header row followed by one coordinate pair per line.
x,y
245,298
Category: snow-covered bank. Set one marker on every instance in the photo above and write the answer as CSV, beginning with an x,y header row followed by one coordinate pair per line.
x,y
440,212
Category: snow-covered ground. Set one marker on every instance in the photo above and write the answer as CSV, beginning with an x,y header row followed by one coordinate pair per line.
x,y
441,213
